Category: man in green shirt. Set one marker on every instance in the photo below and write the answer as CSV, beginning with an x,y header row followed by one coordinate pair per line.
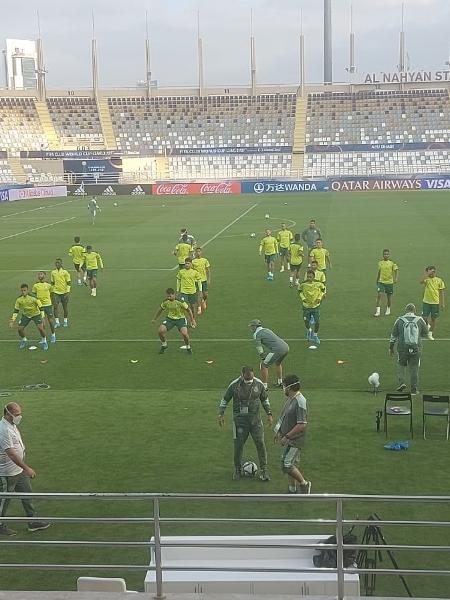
x,y
177,311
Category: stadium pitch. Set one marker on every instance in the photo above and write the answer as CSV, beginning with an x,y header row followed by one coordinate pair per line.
x,y
110,424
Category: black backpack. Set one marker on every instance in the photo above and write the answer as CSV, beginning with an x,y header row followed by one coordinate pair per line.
x,y
328,557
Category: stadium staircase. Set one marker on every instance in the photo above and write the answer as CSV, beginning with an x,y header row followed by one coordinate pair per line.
x,y
298,151
48,128
162,167
17,170
106,124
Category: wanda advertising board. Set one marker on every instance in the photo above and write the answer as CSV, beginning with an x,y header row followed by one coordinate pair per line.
x,y
188,189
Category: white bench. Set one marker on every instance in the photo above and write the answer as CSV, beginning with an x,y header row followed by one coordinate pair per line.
x,y
194,581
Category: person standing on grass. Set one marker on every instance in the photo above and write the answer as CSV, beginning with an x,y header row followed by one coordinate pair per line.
x,y
290,433
176,311
269,246
92,262
433,298
31,309
203,268
310,235
295,260
319,276
248,394
15,474
386,277
41,289
284,239
60,280
93,208
183,250
190,238
407,333
188,284
76,252
311,294
321,255
278,349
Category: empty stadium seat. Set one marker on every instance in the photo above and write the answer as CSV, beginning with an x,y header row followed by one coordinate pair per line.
x,y
76,121
20,128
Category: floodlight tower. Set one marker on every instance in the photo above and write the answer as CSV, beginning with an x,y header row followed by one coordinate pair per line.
x,y
200,58
252,56
302,57
40,68
327,44
94,62
351,69
402,54
148,68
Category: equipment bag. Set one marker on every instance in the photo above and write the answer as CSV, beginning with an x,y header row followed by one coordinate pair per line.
x,y
328,557
411,333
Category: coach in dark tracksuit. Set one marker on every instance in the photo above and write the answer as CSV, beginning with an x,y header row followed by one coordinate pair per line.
x,y
248,394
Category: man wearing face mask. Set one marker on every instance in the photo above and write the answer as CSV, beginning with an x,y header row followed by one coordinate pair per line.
x,y
248,394
15,474
290,432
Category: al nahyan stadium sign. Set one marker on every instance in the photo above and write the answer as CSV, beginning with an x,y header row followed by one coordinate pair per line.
x,y
407,77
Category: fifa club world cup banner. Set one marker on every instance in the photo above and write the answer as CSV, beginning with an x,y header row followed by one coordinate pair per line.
x,y
58,154
55,191
370,185
284,187
187,189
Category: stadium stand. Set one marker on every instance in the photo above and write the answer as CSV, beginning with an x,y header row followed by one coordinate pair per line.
x,y
226,166
20,128
6,175
160,124
76,121
43,171
376,117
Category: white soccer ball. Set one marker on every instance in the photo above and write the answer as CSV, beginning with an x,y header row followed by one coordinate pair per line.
x,y
249,469
253,235
115,204
267,216
374,379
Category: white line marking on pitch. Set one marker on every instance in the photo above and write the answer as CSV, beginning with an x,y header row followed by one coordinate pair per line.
x,y
208,340
37,208
13,235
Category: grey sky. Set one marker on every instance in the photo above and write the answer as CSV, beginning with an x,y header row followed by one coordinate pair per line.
x,y
225,28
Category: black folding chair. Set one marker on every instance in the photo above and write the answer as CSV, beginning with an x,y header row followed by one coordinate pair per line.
x,y
435,406
396,405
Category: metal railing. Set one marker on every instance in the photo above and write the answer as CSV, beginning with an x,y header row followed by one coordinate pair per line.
x,y
154,502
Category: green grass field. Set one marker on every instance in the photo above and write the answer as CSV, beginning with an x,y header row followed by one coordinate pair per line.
x,y
109,425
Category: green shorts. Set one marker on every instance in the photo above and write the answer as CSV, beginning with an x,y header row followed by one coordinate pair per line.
x,y
270,258
430,310
48,311
60,298
274,359
204,286
78,267
283,251
385,288
311,312
171,323
189,298
295,267
24,320
91,273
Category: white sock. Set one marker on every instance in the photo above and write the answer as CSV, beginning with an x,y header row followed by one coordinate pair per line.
x,y
279,380
164,344
66,320
57,320
291,280
297,281
24,339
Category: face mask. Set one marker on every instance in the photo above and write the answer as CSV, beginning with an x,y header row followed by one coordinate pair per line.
x,y
16,420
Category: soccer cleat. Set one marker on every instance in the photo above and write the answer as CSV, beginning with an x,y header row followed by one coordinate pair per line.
x,y
43,344
401,387
430,336
387,312
7,531
278,385
57,324
305,488
377,312
38,525
282,270
414,392
264,475
66,323
53,338
189,350
315,338
237,474
292,489
22,344
162,349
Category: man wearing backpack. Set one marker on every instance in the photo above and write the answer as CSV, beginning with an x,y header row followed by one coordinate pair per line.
x,y
407,333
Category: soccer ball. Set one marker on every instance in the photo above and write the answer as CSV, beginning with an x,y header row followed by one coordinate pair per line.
x,y
253,235
115,204
249,469
267,216
374,380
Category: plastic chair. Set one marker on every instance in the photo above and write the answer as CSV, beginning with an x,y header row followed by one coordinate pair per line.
x,y
102,584
392,409
435,406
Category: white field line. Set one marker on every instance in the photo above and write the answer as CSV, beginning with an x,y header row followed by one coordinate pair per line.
x,y
13,235
37,208
225,340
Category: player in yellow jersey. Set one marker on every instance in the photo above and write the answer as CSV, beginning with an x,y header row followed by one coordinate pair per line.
x,y
92,262
295,260
60,280
387,275
76,252
188,284
311,294
318,274
183,250
284,239
42,290
433,298
322,256
202,266
31,310
269,247
176,311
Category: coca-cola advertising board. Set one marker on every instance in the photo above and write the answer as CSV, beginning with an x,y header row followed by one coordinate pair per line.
x,y
189,189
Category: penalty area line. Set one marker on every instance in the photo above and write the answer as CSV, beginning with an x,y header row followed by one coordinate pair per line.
x,y
13,235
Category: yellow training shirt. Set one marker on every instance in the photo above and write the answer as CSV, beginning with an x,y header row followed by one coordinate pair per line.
x,y
42,291
387,269
174,309
182,251
311,293
285,238
76,252
187,280
320,254
432,287
28,306
92,260
318,276
296,252
200,265
60,280
269,245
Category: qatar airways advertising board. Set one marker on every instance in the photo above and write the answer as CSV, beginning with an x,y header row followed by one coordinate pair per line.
x,y
188,189
372,185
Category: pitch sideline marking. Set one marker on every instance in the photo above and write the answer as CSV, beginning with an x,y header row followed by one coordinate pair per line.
x,y
13,235
209,340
